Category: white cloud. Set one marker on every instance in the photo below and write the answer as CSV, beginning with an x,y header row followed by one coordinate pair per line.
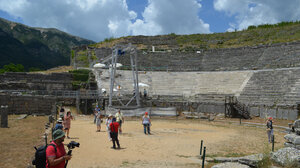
x,y
255,12
170,16
100,19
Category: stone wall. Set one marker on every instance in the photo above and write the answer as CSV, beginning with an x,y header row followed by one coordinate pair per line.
x,y
35,81
39,105
287,112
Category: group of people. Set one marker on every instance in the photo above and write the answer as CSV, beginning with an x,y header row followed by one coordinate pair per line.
x,y
64,121
57,156
114,125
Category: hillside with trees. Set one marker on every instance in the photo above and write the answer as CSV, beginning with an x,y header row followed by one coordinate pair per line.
x,y
35,48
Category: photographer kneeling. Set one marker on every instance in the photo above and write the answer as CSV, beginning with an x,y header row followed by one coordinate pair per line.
x,y
56,156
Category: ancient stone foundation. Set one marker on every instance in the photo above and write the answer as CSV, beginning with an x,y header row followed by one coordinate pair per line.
x,y
37,105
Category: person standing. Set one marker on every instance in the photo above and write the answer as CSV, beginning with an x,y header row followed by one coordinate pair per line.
x,y
56,156
58,124
67,123
96,110
120,119
107,123
145,93
62,112
114,128
98,121
270,129
146,123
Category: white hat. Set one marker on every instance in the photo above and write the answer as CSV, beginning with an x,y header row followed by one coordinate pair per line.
x,y
110,115
60,120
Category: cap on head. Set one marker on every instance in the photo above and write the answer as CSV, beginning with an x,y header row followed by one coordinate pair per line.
x,y
110,115
270,118
146,113
58,134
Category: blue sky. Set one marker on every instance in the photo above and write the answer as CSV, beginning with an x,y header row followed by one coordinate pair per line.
x,y
100,19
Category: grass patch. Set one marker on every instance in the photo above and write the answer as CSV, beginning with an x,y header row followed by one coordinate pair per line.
x,y
266,162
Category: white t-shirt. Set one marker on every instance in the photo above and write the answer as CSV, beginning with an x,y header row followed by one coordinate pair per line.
x,y
146,119
119,116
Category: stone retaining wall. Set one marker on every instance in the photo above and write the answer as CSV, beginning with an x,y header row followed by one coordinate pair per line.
x,y
35,81
279,111
39,105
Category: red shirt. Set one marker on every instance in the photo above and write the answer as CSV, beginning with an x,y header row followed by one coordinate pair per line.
x,y
60,151
114,127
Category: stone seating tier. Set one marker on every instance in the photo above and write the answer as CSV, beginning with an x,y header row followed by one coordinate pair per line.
x,y
279,86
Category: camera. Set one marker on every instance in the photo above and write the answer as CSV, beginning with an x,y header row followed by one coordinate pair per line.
x,y
73,144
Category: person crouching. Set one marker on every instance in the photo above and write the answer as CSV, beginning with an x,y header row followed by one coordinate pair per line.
x,y
114,127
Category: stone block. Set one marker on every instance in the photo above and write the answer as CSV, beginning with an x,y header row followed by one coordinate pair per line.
x,y
272,113
287,144
231,165
290,137
296,140
286,156
285,114
293,114
297,124
255,111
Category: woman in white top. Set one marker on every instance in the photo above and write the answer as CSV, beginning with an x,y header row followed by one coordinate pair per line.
x,y
146,123
98,121
107,122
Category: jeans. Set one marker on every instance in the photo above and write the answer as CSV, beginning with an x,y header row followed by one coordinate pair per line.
x,y
114,137
146,127
270,135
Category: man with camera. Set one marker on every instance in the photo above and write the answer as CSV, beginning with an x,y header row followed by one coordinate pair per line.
x,y
56,157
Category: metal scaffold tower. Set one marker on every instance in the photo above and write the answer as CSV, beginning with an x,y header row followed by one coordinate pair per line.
x,y
117,51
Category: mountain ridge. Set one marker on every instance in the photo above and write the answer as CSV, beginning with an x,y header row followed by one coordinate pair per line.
x,y
36,47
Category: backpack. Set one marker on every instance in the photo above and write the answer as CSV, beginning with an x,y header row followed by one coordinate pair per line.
x,y
40,156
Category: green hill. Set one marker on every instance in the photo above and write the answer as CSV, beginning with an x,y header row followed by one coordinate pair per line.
x,y
35,47
253,36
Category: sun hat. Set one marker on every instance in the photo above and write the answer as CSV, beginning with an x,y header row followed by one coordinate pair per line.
x,y
60,120
58,134
110,115
146,113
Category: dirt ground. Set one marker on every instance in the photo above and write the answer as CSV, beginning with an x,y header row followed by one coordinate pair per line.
x,y
172,143
17,141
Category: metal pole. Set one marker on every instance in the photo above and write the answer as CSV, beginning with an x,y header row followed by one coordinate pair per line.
x,y
203,157
134,76
137,79
201,147
273,141
46,139
4,117
112,76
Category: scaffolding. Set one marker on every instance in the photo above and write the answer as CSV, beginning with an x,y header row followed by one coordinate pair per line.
x,y
117,51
